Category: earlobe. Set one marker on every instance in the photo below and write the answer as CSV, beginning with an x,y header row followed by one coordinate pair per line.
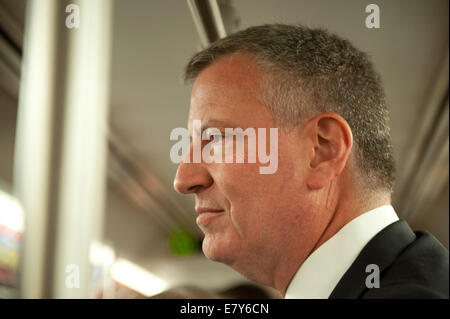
x,y
319,178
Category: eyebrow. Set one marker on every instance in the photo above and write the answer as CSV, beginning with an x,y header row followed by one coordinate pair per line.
x,y
216,124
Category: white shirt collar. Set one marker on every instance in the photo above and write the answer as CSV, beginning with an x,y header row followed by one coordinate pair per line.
x,y
322,270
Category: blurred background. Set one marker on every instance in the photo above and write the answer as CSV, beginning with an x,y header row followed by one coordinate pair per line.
x,y
89,95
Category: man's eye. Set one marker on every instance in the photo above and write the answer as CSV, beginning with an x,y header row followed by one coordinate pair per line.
x,y
213,135
216,138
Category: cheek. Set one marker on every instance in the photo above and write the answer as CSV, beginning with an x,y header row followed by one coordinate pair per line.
x,y
252,197
255,198
241,187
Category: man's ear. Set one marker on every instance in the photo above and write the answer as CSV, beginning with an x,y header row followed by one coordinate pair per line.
x,y
332,142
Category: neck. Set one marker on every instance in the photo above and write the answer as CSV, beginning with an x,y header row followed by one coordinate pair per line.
x,y
345,210
346,213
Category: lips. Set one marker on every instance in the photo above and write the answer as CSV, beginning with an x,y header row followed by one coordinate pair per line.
x,y
202,210
206,214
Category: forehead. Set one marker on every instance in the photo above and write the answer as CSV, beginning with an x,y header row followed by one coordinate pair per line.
x,y
228,91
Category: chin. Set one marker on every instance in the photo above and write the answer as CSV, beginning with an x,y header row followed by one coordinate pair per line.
x,y
216,251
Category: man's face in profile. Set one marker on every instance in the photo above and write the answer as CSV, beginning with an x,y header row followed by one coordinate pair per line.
x,y
244,214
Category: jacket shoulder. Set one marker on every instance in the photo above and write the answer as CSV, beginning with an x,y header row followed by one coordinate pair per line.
x,y
420,271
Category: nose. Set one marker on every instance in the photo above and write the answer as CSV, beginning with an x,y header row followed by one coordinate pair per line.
x,y
191,178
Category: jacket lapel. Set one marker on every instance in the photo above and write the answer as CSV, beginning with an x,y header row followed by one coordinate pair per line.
x,y
381,250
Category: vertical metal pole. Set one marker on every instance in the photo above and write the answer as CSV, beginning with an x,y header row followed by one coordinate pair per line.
x,y
61,145
32,148
83,171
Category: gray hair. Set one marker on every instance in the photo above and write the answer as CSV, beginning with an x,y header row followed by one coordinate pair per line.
x,y
311,71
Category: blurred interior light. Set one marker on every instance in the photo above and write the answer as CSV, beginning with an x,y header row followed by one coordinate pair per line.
x,y
102,258
11,213
101,254
137,278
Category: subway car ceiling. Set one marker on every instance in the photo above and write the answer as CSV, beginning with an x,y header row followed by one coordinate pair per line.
x,y
152,41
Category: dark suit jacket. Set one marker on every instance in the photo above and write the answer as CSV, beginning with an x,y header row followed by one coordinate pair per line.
x,y
411,264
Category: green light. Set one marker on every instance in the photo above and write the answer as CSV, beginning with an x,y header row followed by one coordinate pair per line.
x,y
183,243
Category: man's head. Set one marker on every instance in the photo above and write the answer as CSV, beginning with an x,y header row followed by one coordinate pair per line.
x,y
328,103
